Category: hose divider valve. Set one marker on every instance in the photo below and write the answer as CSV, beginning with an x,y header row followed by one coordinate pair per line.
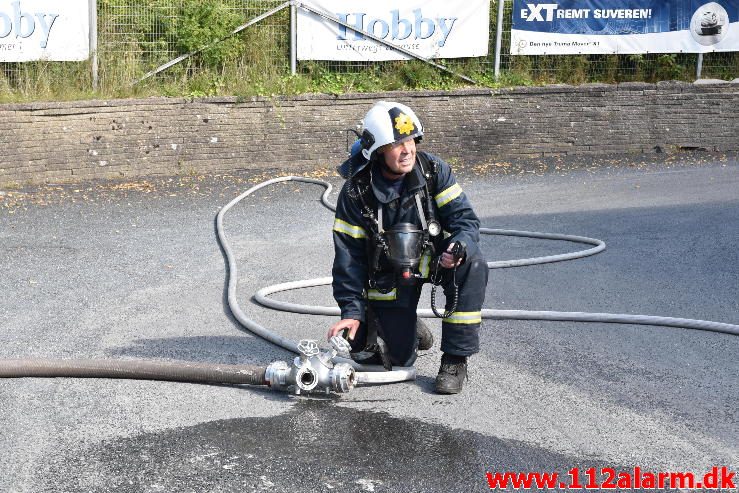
x,y
313,370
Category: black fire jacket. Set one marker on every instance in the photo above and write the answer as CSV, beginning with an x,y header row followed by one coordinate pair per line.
x,y
352,230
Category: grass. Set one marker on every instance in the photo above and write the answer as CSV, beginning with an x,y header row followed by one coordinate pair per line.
x,y
255,74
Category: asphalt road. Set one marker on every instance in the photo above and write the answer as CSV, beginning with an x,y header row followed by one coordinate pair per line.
x,y
134,271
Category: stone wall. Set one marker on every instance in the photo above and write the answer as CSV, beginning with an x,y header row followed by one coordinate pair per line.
x,y
73,141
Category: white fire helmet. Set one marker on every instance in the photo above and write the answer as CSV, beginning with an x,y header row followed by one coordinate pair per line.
x,y
388,123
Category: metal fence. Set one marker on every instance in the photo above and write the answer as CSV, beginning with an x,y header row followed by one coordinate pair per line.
x,y
137,36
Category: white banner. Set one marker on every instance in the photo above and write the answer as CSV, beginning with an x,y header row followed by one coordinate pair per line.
x,y
56,30
524,43
429,28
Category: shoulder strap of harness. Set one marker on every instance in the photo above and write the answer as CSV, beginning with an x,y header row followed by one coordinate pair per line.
x,y
361,190
429,169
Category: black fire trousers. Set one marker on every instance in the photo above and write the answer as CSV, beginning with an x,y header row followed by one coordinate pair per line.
x,y
460,335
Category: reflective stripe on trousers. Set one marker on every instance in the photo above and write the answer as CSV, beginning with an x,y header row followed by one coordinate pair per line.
x,y
460,332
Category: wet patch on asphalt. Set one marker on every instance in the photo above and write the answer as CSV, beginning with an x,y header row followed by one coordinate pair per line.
x,y
315,446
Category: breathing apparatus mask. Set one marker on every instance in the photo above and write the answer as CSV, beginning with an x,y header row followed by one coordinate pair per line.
x,y
404,244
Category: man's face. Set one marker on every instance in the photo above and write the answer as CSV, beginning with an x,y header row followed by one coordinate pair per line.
x,y
400,157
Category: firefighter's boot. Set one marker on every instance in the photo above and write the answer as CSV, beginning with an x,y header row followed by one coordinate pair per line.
x,y
452,374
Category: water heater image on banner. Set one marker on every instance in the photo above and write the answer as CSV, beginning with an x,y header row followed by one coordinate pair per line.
x,y
709,24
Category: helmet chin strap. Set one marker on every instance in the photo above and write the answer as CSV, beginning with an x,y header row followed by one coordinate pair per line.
x,y
386,169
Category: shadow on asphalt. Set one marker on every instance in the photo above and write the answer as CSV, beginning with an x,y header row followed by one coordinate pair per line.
x,y
233,350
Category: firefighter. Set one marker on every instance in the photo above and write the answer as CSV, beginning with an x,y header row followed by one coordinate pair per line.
x,y
402,220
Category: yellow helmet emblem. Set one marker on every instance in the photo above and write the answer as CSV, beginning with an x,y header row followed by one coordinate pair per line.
x,y
404,124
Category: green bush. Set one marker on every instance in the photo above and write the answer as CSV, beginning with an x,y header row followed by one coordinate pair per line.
x,y
202,24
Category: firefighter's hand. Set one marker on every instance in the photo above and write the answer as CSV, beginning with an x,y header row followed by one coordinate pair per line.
x,y
346,323
449,261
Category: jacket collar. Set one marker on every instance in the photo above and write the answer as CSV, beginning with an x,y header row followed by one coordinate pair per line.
x,y
413,181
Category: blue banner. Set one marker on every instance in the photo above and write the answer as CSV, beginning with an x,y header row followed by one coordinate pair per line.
x,y
624,26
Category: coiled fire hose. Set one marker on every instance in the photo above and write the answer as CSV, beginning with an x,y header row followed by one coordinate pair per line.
x,y
397,375
254,375
262,296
